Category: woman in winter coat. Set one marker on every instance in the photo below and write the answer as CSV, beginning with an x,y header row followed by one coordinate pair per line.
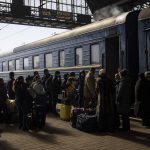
x,y
89,89
106,102
39,91
71,91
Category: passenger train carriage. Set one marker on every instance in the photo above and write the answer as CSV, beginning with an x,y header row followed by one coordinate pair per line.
x,y
144,40
112,43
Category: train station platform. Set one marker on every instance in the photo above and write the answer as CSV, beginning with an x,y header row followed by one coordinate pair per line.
x,y
59,135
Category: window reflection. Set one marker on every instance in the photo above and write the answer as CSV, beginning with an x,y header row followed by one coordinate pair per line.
x,y
78,56
48,60
95,54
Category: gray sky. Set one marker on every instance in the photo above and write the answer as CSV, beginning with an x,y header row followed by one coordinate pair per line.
x,y
16,35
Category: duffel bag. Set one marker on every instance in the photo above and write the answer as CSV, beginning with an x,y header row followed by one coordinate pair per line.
x,y
87,123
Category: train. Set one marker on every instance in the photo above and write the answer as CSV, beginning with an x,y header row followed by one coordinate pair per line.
x,y
113,43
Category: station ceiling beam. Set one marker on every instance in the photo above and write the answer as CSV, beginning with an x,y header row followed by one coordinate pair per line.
x,y
125,5
65,14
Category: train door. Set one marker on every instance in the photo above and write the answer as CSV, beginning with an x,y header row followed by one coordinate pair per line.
x,y
112,55
147,51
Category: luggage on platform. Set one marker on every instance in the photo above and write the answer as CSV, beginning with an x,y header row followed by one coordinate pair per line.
x,y
77,111
11,106
73,117
58,106
12,111
87,123
39,116
65,111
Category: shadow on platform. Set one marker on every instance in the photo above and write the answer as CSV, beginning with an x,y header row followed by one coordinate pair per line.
x,y
4,145
47,134
134,136
54,130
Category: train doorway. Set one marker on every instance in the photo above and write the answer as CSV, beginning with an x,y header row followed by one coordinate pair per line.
x,y
147,51
112,55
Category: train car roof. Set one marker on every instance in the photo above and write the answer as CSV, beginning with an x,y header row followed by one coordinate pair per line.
x,y
144,14
75,32
3,54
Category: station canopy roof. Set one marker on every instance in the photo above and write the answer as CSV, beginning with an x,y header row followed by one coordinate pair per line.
x,y
95,5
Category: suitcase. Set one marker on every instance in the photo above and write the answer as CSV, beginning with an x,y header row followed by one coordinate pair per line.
x,y
74,113
58,106
87,123
11,106
65,111
39,116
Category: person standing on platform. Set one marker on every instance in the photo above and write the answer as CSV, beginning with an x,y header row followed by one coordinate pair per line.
x,y
11,93
66,75
71,89
48,86
81,87
139,94
89,89
36,73
105,110
56,89
3,98
22,93
124,98
145,100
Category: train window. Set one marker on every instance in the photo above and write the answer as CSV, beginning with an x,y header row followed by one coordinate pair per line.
x,y
95,54
78,56
4,66
17,64
61,58
10,65
48,60
36,62
26,63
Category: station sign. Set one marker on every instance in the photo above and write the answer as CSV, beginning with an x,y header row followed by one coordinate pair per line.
x,y
54,14
83,18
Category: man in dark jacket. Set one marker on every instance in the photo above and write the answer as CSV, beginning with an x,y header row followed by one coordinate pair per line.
x,y
81,87
56,81
48,86
22,93
145,100
124,98
139,94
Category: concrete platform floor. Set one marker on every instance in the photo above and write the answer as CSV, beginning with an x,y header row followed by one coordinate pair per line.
x,y
59,135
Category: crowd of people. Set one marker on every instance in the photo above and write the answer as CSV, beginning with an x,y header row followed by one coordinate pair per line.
x,y
110,99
